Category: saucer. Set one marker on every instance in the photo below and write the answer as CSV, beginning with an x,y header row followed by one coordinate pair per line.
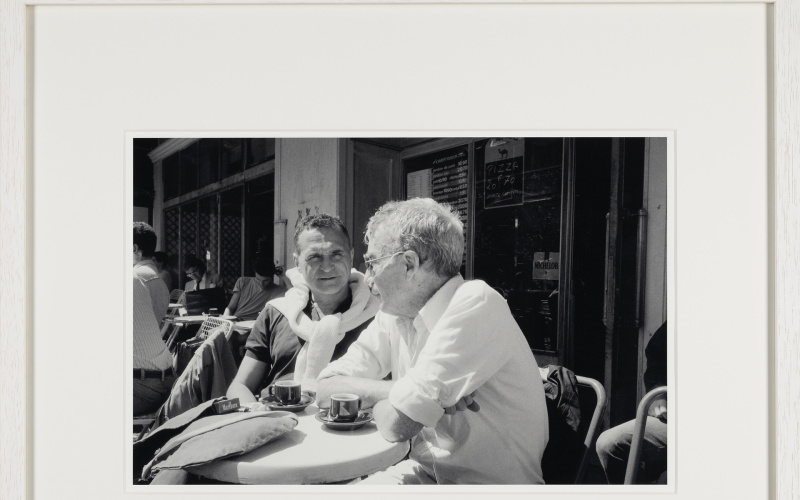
x,y
364,416
273,404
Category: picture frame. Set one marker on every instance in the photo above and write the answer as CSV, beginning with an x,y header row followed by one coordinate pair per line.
x,y
16,360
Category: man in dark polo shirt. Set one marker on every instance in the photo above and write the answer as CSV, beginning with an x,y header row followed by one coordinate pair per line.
x,y
321,315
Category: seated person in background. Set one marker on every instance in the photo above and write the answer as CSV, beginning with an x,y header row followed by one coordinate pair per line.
x,y
144,245
251,294
323,313
152,362
614,445
200,279
161,260
445,341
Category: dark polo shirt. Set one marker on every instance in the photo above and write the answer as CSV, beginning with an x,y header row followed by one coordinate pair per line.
x,y
273,342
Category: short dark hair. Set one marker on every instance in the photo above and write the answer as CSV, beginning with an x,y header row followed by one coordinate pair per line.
x,y
318,221
192,261
145,238
162,258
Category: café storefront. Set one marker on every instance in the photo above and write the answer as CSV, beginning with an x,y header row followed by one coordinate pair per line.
x,y
571,231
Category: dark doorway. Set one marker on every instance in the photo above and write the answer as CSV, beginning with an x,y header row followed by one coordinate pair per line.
x,y
260,207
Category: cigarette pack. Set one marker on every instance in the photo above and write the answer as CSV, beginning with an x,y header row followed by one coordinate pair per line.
x,y
226,406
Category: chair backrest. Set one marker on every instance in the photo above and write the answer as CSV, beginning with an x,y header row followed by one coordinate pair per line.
x,y
185,350
567,455
594,424
175,295
212,323
638,432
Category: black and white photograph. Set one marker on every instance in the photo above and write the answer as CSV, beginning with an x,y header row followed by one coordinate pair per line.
x,y
401,310
385,248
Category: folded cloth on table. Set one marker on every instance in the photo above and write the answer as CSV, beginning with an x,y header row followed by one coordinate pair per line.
x,y
219,436
148,446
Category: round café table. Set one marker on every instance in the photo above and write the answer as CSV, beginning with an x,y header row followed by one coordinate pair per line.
x,y
310,454
244,327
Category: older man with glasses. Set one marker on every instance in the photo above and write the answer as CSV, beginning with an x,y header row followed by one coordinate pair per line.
x,y
450,345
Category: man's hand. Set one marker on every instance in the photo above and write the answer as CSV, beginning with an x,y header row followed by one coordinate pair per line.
x,y
370,391
659,410
463,404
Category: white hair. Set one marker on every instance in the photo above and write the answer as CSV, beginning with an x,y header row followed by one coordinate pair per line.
x,y
432,230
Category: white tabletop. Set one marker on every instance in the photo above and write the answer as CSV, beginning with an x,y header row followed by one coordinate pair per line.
x,y
244,326
310,454
188,320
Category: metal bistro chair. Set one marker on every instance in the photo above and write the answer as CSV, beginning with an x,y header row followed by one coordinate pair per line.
x,y
185,350
175,295
212,323
638,432
594,424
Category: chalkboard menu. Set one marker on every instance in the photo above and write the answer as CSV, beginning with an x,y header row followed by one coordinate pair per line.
x,y
504,173
443,176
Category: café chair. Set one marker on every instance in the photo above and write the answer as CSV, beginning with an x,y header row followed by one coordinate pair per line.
x,y
185,350
175,295
204,369
577,457
638,432
594,423
141,423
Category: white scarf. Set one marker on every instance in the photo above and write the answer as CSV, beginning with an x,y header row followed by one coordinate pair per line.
x,y
322,336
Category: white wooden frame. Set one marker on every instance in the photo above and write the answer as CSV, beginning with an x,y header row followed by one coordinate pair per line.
x,y
15,358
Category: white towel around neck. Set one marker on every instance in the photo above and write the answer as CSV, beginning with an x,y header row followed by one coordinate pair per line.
x,y
322,336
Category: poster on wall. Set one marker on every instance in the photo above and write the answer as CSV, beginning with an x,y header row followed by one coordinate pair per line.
x,y
504,172
545,265
418,184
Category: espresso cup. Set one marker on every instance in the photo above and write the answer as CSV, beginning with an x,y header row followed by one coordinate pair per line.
x,y
286,391
344,407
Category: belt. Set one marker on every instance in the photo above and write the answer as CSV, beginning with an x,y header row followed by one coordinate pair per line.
x,y
142,374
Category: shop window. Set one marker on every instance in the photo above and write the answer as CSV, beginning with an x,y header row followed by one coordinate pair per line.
x,y
259,151
259,216
209,161
231,157
171,176
188,234
518,230
190,161
231,218
208,233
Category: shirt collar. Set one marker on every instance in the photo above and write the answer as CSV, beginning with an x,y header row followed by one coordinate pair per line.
x,y
145,262
436,305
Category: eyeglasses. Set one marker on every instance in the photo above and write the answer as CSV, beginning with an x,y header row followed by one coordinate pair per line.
x,y
368,262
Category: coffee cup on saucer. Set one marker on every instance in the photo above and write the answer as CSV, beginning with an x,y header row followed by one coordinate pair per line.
x,y
286,392
344,407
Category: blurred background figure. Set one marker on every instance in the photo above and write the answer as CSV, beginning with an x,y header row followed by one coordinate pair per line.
x,y
152,362
161,260
145,270
251,294
200,279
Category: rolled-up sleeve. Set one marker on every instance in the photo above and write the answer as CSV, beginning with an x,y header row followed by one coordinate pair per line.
x,y
417,399
466,346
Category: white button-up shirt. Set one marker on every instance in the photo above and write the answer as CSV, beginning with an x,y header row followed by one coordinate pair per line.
x,y
464,340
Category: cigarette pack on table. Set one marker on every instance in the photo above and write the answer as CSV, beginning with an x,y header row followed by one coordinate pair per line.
x,y
226,406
